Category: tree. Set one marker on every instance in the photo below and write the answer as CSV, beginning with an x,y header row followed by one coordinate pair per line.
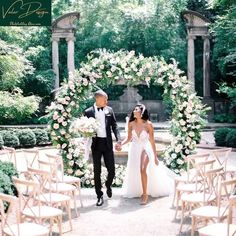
x,y
13,66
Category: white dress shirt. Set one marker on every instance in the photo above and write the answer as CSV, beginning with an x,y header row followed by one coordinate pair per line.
x,y
100,116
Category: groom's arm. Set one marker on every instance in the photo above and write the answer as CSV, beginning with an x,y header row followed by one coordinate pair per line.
x,y
115,127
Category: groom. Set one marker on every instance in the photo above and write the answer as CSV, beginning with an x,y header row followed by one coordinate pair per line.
x,y
102,143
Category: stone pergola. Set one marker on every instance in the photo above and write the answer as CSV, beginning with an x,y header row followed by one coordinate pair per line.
x,y
63,27
198,25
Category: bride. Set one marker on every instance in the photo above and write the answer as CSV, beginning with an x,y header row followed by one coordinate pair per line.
x,y
145,175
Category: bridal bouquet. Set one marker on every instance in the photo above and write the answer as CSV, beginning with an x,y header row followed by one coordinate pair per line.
x,y
85,126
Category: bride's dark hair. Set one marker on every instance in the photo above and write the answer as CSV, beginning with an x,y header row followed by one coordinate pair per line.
x,y
144,113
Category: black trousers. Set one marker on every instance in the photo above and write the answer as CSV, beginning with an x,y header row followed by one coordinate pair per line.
x,y
98,150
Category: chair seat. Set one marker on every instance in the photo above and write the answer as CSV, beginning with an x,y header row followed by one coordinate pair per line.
x,y
26,229
197,197
60,187
218,229
231,169
42,212
70,179
209,212
187,187
53,198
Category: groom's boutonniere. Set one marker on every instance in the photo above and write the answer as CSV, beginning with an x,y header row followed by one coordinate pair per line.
x,y
106,111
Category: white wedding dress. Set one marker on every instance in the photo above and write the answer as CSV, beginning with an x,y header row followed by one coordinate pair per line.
x,y
160,178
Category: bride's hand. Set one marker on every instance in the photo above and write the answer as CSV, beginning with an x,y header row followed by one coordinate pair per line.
x,y
156,161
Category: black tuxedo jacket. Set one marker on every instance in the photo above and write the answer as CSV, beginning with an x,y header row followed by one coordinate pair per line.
x,y
110,124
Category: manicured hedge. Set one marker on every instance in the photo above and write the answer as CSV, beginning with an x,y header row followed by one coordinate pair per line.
x,y
24,137
231,138
225,137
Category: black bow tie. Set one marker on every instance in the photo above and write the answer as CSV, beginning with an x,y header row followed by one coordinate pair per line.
x,y
100,108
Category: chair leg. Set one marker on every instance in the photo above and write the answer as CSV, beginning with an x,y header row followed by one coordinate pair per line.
x,y
177,203
75,204
80,197
182,216
173,202
193,225
60,225
69,214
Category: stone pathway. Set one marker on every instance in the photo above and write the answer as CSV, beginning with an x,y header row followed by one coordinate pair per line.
x,y
126,217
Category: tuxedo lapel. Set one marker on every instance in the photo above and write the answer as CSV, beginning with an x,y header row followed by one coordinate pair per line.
x,y
93,112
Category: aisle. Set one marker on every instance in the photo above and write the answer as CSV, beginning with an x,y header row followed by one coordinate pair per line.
x,y
125,217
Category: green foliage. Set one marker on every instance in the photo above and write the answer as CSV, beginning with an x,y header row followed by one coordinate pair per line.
x,y
5,184
14,108
224,52
225,118
13,66
7,170
1,142
231,138
27,138
41,136
10,139
152,92
230,91
220,136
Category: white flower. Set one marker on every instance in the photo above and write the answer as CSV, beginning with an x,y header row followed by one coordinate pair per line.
x,y
173,155
191,134
180,162
69,171
182,122
63,145
71,163
64,123
56,126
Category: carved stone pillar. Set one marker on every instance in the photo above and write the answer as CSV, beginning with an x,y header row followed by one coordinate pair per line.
x,y
70,54
206,66
55,60
191,60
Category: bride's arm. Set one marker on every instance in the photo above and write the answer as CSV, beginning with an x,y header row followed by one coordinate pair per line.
x,y
129,135
152,140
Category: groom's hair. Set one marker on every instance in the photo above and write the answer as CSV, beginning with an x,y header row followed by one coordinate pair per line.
x,y
99,93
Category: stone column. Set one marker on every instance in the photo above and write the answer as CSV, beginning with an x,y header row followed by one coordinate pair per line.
x,y
191,60
206,66
55,60
70,54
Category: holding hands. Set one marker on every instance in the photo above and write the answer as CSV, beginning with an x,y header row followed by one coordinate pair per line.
x,y
118,146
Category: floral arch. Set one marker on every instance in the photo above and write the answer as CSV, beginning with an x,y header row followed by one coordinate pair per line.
x,y
188,116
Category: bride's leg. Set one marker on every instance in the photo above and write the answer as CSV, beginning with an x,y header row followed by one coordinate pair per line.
x,y
143,170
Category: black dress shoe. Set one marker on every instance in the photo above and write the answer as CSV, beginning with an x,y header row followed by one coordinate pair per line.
x,y
109,192
100,201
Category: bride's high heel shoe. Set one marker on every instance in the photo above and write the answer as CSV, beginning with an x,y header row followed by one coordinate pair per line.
x,y
144,199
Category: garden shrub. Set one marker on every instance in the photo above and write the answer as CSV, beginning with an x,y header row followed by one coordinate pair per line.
x,y
220,136
15,108
41,136
10,139
231,138
7,170
27,138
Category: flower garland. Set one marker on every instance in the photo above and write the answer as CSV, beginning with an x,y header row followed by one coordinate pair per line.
x,y
104,67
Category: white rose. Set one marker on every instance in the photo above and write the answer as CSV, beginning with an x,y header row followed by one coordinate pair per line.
x,y
191,134
69,171
173,155
63,145
56,126
64,123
